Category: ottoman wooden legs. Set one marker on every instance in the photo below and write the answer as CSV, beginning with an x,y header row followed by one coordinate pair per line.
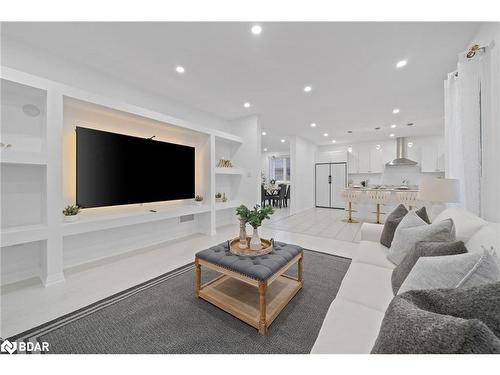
x,y
263,303
197,278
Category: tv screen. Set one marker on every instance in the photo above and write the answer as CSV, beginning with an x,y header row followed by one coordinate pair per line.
x,y
114,169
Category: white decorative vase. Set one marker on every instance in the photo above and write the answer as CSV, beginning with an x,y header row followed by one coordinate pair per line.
x,y
255,240
70,218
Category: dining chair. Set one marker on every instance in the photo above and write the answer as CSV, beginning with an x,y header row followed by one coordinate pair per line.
x,y
280,197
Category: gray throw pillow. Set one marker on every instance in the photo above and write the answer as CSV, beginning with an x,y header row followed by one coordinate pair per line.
x,y
392,221
423,249
453,321
453,271
413,229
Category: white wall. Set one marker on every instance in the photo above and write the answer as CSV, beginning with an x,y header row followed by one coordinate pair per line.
x,y
302,158
491,153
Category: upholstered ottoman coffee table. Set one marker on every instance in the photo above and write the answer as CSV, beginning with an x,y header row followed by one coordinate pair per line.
x,y
254,289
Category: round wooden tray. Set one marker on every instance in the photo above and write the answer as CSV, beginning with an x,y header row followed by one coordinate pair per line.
x,y
266,247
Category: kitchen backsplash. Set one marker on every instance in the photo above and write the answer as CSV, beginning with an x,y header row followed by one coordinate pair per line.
x,y
393,176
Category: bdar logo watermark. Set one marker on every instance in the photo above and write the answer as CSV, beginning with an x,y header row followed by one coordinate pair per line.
x,y
23,347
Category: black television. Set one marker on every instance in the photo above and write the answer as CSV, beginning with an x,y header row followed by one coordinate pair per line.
x,y
115,169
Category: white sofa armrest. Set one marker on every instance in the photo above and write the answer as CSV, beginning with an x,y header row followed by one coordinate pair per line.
x,y
371,232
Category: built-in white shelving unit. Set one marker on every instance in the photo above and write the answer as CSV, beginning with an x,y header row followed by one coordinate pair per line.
x,y
233,170
38,178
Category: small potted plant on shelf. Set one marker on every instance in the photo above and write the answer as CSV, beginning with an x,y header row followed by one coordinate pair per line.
x,y
198,200
257,216
218,197
71,213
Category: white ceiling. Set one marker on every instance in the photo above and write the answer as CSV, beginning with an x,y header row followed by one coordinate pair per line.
x,y
350,66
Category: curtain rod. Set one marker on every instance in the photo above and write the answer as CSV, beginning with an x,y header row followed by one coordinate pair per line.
x,y
473,50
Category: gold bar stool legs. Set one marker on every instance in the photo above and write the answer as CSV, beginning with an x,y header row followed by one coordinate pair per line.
x,y
378,198
350,197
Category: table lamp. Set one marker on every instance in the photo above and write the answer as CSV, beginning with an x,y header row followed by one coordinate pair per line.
x,y
438,191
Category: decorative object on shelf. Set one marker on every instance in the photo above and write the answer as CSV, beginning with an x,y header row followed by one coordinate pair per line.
x,y
244,215
263,178
266,246
224,163
218,197
257,216
198,200
364,183
5,145
71,213
224,198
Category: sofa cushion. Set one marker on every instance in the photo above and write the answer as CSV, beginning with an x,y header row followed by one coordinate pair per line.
x,y
394,219
348,328
367,285
466,223
453,271
485,238
423,249
442,321
412,230
373,253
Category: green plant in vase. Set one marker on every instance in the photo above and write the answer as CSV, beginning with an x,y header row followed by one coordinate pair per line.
x,y
256,217
70,213
243,214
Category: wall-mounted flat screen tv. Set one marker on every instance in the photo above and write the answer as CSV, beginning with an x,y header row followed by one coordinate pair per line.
x,y
116,169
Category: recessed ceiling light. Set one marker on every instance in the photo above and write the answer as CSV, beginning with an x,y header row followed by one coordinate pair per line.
x,y
247,105
256,29
349,149
179,69
392,135
265,149
410,144
378,147
393,126
325,135
308,89
282,141
264,133
349,131
313,125
395,110
334,141
401,63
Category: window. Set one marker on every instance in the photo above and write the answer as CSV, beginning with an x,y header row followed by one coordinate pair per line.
x,y
279,168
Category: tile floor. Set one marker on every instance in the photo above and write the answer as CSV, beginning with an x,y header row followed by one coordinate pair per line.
x,y
28,304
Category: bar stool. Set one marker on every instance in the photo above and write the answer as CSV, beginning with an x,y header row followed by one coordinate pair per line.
x,y
378,198
350,196
407,198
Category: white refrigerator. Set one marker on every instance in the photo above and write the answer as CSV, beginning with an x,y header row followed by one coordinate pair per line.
x,y
331,179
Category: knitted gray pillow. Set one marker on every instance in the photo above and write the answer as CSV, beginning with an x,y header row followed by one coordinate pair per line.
x,y
392,221
413,229
442,321
453,271
423,249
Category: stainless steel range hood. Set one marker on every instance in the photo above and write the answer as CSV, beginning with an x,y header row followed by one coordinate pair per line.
x,y
401,154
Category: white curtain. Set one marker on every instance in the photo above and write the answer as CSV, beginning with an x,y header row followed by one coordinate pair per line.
x,y
466,98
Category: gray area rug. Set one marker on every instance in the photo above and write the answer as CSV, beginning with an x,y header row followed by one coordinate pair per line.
x,y
163,316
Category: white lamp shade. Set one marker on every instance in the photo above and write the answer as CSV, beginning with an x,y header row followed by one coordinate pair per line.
x,y
433,189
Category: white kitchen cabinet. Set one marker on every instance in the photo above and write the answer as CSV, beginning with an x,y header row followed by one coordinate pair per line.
x,y
353,162
432,150
364,160
376,161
